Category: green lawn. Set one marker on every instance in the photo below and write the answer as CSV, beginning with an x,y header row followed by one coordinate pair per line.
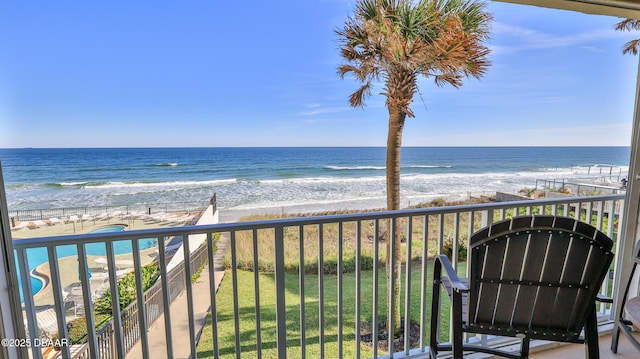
x,y
246,311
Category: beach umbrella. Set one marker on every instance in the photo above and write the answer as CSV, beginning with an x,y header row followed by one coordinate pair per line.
x,y
87,217
73,219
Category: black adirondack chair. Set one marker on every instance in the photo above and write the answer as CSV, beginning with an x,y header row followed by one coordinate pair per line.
x,y
533,277
628,313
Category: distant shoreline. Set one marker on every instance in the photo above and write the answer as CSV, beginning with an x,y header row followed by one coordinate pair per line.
x,y
290,147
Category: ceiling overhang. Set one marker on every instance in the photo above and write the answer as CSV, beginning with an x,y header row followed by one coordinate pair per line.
x,y
619,8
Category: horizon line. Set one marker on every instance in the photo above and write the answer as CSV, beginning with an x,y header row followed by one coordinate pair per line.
x,y
293,147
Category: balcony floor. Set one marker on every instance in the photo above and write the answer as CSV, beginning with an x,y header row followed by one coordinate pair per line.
x,y
575,351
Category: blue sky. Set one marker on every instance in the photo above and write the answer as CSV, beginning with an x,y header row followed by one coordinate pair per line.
x,y
263,73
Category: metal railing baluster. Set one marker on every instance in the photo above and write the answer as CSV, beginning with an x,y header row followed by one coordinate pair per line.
x,y
376,258
236,307
610,218
600,214
115,299
256,289
213,294
166,297
340,288
424,283
391,253
301,273
142,318
407,286
189,288
358,283
455,246
440,233
30,308
321,288
281,309
58,300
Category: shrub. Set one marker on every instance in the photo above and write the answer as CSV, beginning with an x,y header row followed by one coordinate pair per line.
x,y
127,288
528,192
77,329
438,202
447,249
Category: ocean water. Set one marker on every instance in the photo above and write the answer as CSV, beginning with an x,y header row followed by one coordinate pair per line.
x,y
263,179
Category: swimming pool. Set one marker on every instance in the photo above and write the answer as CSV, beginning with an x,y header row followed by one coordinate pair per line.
x,y
38,256
109,228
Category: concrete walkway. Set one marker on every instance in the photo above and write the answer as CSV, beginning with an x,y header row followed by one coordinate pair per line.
x,y
179,315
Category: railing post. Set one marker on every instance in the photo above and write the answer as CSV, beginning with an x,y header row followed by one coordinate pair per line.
x,y
115,297
301,271
487,218
281,320
166,297
140,300
391,272
321,290
28,300
213,293
256,289
189,290
358,275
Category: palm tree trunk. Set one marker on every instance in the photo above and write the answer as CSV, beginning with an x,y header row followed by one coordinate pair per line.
x,y
394,143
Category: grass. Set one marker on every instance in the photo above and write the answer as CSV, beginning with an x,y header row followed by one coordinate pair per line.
x,y
247,316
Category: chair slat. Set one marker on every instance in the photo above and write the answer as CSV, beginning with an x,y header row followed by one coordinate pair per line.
x,y
512,270
554,261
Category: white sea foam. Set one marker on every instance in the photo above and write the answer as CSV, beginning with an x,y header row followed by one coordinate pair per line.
x,y
428,166
342,168
71,184
160,184
320,180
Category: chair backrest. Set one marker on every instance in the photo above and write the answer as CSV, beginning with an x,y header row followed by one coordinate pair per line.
x,y
537,275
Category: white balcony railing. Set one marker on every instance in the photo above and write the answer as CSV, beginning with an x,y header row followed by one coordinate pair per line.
x,y
424,231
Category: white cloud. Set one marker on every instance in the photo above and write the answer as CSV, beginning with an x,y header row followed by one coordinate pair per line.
x,y
317,110
512,38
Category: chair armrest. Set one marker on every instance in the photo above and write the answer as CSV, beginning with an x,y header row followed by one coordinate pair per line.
x,y
456,283
603,299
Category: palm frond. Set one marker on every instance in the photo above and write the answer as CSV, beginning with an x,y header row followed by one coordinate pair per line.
x,y
631,47
628,25
357,98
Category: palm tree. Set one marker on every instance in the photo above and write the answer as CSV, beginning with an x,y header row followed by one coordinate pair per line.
x,y
629,25
396,42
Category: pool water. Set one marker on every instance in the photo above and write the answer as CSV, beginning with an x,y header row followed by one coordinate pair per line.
x,y
109,228
38,256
